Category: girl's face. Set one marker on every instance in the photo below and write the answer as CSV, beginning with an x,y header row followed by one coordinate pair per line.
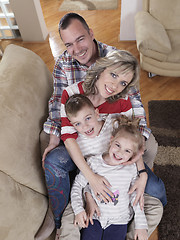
x,y
121,150
86,122
111,82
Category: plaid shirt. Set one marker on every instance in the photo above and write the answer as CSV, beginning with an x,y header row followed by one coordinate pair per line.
x,y
67,71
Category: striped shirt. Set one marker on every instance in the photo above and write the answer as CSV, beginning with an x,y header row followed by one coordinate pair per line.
x,y
122,106
120,210
67,71
100,143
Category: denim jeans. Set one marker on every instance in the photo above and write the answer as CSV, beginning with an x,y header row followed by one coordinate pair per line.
x,y
58,165
155,186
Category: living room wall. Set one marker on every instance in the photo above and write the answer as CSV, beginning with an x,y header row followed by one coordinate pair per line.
x,y
30,19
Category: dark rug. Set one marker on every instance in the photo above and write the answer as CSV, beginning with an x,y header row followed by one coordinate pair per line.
x,y
164,119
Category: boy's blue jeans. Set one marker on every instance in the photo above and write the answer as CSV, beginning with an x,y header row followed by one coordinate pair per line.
x,y
58,165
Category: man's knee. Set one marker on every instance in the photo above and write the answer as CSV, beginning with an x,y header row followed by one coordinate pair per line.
x,y
68,230
150,151
153,209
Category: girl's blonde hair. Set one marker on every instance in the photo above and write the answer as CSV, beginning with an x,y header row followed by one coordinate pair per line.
x,y
123,61
123,126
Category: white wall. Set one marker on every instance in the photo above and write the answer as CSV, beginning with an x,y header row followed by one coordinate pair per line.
x,y
30,20
129,8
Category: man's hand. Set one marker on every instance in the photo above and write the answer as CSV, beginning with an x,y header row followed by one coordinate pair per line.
x,y
53,143
81,220
100,186
141,234
139,187
91,207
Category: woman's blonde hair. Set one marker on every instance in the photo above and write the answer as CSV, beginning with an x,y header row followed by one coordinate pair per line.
x,y
122,60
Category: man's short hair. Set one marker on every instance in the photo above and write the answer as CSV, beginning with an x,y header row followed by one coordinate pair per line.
x,y
67,19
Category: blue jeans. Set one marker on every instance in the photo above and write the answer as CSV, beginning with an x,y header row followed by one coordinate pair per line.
x,y
58,165
155,186
96,232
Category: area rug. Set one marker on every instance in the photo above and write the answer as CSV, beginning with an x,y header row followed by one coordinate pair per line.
x,y
75,5
164,119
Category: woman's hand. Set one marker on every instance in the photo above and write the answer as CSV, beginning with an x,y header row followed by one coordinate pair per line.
x,y
141,234
135,158
139,187
100,186
81,220
138,155
91,207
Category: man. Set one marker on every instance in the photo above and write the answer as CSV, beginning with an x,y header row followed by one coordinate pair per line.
x,y
82,52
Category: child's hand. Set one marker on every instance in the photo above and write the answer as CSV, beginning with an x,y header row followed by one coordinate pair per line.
x,y
91,207
99,185
81,220
141,234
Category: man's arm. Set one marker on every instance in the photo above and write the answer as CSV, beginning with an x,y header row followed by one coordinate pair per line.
x,y
139,111
53,125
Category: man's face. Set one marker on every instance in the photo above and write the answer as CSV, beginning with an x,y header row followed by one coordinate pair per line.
x,y
79,43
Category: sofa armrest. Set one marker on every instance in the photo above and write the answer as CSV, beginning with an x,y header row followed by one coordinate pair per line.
x,y
150,34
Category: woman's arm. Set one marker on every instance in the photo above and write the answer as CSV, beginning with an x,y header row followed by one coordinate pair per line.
x,y
98,183
140,184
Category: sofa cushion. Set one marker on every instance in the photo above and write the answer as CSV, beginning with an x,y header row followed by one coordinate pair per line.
x,y
25,87
147,40
22,210
166,12
174,55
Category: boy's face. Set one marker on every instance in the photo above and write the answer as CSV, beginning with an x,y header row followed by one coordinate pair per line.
x,y
121,150
86,122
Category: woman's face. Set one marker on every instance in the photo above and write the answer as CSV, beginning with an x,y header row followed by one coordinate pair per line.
x,y
111,81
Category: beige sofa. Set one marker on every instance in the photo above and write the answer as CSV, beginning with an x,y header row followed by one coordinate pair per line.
x,y
158,36
25,87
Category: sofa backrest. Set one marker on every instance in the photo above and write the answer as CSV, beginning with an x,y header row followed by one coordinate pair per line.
x,y
165,11
25,88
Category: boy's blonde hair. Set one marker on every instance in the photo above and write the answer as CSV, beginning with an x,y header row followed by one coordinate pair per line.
x,y
122,60
123,126
75,103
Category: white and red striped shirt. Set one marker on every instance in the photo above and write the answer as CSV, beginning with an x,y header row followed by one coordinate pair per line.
x,y
122,106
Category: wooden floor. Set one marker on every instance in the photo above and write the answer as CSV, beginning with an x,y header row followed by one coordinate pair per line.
x,y
106,27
